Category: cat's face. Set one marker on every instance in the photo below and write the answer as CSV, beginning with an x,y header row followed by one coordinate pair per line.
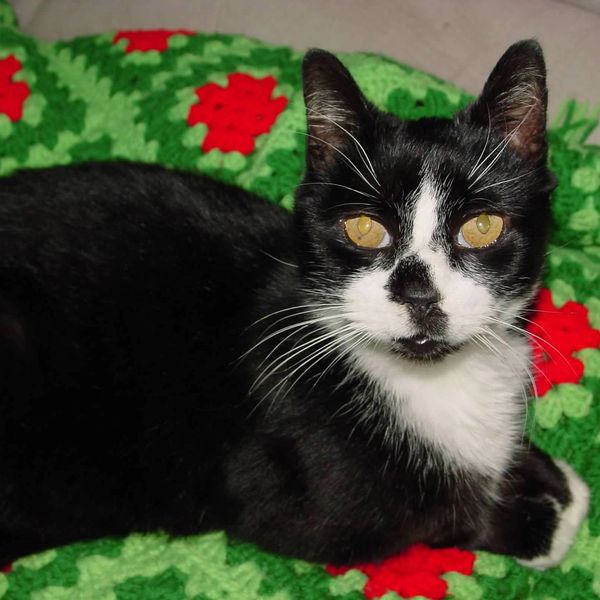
x,y
425,235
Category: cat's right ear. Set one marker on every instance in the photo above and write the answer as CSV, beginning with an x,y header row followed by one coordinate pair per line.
x,y
336,109
514,98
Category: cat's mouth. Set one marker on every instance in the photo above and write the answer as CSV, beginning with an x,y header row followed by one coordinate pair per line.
x,y
421,348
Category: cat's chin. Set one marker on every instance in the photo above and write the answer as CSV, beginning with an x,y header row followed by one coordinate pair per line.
x,y
421,348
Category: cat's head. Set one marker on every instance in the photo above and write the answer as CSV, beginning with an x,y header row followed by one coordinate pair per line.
x,y
425,234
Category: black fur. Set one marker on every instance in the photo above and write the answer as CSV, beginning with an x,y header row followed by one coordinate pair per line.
x,y
128,294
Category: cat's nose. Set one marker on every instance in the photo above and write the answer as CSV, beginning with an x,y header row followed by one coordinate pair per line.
x,y
417,297
411,284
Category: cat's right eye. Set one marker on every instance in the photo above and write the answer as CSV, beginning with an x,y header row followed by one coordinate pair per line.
x,y
365,232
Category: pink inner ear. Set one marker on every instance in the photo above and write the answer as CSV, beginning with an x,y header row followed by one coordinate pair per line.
x,y
519,114
525,131
513,101
328,135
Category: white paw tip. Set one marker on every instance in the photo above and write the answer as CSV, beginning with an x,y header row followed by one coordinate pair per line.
x,y
569,521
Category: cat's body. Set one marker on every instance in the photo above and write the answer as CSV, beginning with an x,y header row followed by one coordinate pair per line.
x,y
179,355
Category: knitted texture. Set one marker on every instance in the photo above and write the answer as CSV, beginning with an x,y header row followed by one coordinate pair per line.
x,y
232,108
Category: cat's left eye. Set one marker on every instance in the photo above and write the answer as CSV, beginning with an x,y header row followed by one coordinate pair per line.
x,y
480,231
366,232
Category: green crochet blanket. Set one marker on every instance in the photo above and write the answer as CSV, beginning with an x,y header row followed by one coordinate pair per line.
x,y
177,98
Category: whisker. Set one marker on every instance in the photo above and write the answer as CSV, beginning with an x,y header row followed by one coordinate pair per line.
x,y
542,342
353,339
519,317
536,310
297,314
360,204
501,146
288,308
288,328
275,366
315,358
496,352
283,262
491,185
348,161
330,347
285,339
365,336
338,185
364,156
497,337
487,139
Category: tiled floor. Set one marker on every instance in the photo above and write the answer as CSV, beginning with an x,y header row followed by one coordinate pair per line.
x,y
459,40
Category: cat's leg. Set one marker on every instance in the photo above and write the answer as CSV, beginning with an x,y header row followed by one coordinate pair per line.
x,y
541,505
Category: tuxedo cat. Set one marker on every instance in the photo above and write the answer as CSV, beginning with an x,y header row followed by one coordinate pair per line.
x,y
179,355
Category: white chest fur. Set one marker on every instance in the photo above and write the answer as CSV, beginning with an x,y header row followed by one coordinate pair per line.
x,y
469,407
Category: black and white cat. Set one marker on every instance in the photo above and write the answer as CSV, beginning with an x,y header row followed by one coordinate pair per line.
x,y
336,384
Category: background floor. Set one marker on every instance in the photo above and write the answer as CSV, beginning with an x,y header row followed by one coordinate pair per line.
x,y
459,40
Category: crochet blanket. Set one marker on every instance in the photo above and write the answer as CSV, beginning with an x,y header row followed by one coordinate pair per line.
x,y
231,107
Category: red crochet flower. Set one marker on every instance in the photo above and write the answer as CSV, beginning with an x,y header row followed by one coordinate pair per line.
x,y
415,572
236,114
556,334
12,93
142,40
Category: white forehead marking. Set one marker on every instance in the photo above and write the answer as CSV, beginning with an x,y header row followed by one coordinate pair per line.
x,y
463,300
426,217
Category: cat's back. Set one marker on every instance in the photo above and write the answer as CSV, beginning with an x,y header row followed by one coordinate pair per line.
x,y
125,284
113,225
121,201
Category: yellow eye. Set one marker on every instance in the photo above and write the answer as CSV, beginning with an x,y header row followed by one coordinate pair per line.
x,y
365,232
480,231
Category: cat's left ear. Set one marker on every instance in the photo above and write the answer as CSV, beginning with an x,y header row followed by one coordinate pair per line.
x,y
514,99
336,109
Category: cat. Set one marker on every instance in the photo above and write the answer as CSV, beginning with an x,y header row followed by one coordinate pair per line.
x,y
335,384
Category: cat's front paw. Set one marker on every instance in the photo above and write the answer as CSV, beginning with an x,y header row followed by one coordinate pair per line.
x,y
569,517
